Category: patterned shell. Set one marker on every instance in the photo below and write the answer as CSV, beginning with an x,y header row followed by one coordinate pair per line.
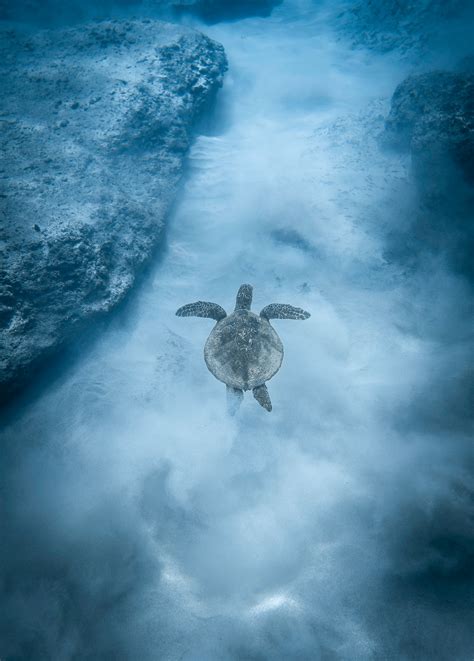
x,y
243,350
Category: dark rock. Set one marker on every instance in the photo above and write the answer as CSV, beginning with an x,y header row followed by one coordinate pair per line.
x,y
389,24
101,183
213,11
466,64
58,12
432,115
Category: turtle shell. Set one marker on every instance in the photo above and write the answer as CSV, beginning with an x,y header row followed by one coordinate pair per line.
x,y
243,350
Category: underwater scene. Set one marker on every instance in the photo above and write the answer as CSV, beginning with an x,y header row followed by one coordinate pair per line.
x,y
236,319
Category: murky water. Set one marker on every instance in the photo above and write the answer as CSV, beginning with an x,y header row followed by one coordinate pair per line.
x,y
263,534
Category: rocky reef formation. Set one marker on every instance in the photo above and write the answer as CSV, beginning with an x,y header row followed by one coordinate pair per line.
x,y
432,115
389,24
95,126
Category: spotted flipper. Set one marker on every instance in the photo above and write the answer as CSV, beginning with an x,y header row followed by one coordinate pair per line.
x,y
202,309
262,396
283,311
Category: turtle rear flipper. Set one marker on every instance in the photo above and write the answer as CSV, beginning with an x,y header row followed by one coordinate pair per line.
x,y
234,399
283,311
262,396
202,309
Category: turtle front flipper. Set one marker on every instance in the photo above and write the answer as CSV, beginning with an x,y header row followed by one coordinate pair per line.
x,y
283,311
262,396
202,309
234,399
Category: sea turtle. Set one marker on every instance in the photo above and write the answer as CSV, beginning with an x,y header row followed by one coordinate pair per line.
x,y
243,350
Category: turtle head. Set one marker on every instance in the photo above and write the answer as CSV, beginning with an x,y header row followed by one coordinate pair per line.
x,y
244,297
